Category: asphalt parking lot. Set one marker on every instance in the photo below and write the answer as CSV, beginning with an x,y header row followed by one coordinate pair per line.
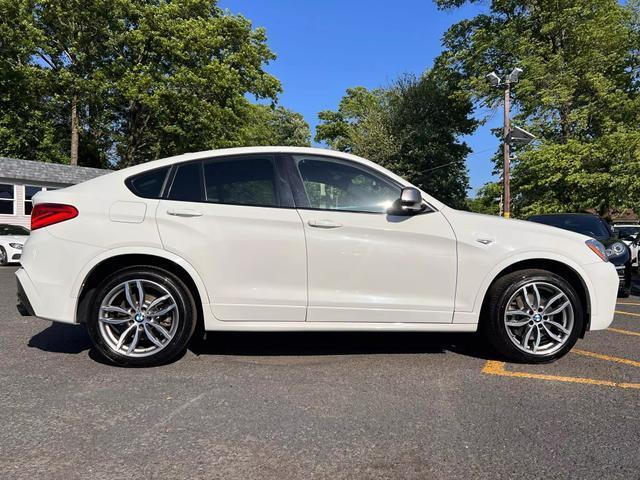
x,y
317,406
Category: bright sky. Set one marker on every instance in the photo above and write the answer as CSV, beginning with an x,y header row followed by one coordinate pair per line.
x,y
324,47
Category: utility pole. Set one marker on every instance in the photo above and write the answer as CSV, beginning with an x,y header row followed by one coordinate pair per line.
x,y
496,81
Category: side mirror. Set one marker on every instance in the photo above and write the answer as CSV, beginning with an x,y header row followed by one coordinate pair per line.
x,y
409,203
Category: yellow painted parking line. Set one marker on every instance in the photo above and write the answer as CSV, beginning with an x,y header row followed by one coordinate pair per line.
x,y
624,332
627,313
628,303
493,367
607,358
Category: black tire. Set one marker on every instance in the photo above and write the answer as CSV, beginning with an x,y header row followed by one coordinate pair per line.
x,y
3,257
185,306
493,326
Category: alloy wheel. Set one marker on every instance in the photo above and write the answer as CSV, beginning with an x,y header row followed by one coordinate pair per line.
x,y
539,318
138,318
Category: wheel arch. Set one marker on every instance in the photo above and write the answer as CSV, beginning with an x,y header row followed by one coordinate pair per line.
x,y
562,269
105,265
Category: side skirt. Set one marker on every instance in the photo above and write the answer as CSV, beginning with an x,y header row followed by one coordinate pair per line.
x,y
212,324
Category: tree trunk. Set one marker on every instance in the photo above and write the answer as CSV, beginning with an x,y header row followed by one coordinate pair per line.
x,y
74,129
136,128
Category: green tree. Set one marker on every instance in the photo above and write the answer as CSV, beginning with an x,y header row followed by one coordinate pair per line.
x,y
411,127
487,199
361,125
121,82
25,120
578,95
183,72
70,44
269,125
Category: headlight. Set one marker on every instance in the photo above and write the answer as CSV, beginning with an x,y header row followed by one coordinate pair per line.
x,y
597,248
17,246
616,250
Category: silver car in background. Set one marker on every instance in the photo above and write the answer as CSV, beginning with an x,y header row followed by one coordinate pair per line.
x,y
12,238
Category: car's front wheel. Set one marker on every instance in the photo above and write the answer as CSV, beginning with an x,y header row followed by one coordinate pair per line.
x,y
532,316
141,316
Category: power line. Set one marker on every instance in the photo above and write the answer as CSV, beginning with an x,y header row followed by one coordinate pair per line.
x,y
456,161
481,151
440,166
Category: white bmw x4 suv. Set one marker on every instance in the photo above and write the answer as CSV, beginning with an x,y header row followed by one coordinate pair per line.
x,y
292,239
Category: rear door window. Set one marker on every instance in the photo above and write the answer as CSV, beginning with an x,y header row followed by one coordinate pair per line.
x,y
241,181
187,183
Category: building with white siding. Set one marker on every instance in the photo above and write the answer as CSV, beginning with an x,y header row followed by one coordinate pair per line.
x,y
21,179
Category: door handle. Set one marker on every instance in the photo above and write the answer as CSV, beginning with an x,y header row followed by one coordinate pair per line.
x,y
324,224
184,212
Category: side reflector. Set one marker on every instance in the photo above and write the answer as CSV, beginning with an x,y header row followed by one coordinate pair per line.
x,y
45,214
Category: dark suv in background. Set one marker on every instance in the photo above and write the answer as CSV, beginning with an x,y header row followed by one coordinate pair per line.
x,y
596,227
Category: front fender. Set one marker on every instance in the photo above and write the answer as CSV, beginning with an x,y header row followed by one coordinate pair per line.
x,y
470,297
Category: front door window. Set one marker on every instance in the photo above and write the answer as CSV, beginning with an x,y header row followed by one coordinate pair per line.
x,y
331,184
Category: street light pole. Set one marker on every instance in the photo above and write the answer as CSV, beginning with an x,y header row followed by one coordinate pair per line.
x,y
505,148
496,81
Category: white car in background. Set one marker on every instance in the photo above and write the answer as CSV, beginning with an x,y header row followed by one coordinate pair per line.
x,y
299,239
12,238
628,233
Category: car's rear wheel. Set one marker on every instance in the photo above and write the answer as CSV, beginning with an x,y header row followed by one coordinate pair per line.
x,y
532,316
141,316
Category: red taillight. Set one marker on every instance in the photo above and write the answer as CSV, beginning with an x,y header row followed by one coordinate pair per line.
x,y
45,214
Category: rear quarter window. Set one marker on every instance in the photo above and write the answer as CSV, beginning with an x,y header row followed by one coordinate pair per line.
x,y
148,184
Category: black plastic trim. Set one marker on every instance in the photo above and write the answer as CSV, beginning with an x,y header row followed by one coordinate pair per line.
x,y
289,186
24,305
295,182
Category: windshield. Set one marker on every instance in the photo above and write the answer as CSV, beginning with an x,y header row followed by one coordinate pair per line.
x,y
12,230
589,225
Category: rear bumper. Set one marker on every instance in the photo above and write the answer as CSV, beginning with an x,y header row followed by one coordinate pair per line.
x,y
50,268
42,301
